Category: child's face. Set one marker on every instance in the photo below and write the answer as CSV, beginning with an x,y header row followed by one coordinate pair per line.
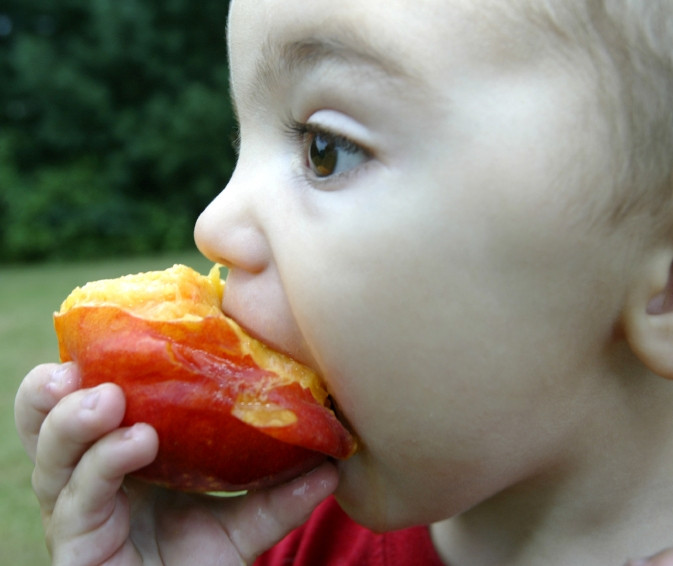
x,y
427,243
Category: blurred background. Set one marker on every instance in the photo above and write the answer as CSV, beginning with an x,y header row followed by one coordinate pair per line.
x,y
115,125
115,132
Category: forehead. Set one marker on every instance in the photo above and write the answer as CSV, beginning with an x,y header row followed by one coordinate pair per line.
x,y
419,37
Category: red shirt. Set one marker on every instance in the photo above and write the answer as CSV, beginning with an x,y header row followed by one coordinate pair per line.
x,y
331,538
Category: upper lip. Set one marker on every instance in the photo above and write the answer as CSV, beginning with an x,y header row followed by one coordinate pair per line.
x,y
266,340
243,308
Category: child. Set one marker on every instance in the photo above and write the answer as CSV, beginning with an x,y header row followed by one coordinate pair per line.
x,y
459,213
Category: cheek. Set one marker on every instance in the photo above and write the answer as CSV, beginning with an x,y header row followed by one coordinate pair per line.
x,y
459,324
461,339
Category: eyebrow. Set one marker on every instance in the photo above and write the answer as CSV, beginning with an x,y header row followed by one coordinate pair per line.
x,y
349,49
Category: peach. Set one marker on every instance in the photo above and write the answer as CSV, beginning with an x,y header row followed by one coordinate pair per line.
x,y
230,412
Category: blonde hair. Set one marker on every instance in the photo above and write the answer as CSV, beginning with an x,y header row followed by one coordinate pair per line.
x,y
630,44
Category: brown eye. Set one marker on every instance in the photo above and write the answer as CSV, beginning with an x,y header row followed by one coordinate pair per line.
x,y
322,155
330,154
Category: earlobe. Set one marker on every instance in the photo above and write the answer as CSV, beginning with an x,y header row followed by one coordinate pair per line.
x,y
647,318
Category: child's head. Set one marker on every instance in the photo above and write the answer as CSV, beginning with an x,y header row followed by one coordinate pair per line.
x,y
434,206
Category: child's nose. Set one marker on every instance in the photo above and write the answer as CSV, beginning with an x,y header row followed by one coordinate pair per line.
x,y
228,232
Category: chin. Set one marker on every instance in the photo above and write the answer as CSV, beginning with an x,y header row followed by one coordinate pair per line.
x,y
362,496
380,503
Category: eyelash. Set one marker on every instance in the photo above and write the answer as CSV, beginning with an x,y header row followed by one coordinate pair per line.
x,y
302,135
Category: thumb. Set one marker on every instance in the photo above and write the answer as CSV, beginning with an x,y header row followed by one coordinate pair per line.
x,y
271,514
664,558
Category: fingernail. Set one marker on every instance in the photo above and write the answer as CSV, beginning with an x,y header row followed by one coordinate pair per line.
x,y
90,400
131,432
58,377
301,490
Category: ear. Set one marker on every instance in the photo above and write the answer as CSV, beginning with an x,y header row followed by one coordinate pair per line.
x,y
647,319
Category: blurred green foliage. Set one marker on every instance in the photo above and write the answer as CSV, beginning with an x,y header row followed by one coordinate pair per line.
x,y
115,124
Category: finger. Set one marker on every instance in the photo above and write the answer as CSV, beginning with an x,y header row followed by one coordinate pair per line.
x,y
38,393
99,546
91,518
68,430
238,529
101,470
269,515
185,528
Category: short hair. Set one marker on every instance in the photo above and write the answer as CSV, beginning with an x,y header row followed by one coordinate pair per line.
x,y
630,43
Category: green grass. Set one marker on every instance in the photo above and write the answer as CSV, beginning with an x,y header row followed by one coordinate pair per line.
x,y
28,297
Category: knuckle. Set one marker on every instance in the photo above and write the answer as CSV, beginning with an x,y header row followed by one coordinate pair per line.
x,y
41,491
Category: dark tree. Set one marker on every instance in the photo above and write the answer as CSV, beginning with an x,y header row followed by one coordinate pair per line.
x,y
115,124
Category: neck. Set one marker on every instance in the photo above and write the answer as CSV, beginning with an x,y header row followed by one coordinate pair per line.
x,y
606,499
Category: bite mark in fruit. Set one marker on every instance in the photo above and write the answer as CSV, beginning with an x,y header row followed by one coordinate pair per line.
x,y
230,412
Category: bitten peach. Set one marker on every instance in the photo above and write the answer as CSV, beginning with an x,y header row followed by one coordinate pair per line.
x,y
230,412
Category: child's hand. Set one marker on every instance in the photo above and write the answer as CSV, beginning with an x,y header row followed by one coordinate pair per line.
x,y
92,516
